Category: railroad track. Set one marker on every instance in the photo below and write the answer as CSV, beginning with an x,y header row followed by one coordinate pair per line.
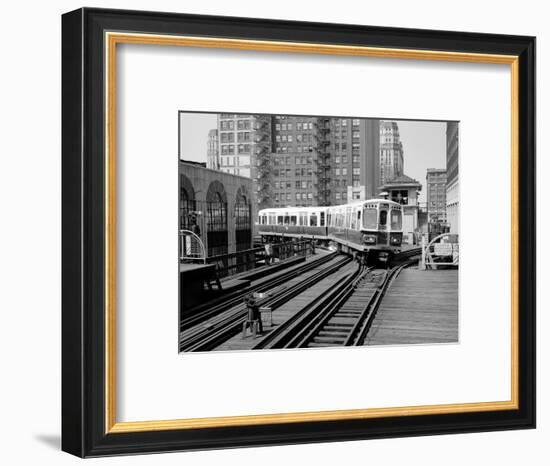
x,y
406,255
340,317
212,308
228,323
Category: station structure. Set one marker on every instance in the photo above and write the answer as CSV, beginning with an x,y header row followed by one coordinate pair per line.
x,y
405,190
217,206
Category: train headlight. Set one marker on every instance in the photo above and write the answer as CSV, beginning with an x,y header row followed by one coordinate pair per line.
x,y
396,240
369,239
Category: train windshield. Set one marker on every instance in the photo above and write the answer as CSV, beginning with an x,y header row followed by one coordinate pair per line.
x,y
395,219
370,218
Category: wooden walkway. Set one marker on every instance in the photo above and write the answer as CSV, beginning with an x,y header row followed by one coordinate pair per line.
x,y
419,307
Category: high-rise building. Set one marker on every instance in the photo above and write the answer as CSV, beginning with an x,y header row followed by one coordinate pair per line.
x,y
452,187
302,160
236,143
324,161
244,148
391,151
212,155
436,194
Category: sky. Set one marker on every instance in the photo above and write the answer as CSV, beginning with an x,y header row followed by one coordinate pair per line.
x,y
424,143
194,134
424,146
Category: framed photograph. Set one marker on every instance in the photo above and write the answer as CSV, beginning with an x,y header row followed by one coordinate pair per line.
x,y
282,232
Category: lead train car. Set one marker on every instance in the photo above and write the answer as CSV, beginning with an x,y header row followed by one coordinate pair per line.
x,y
372,227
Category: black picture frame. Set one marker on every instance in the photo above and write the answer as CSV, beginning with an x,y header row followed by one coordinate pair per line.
x,y
83,229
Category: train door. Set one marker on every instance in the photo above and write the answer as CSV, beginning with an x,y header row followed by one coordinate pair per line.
x,y
354,233
383,224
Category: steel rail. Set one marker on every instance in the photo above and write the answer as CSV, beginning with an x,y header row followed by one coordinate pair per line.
x,y
205,339
219,305
286,333
301,330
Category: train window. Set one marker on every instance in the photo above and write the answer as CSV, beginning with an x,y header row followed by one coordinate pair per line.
x,y
369,219
272,219
279,220
353,221
322,219
383,217
287,219
395,219
293,220
313,220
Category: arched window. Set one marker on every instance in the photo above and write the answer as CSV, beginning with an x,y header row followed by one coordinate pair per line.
x,y
187,204
216,219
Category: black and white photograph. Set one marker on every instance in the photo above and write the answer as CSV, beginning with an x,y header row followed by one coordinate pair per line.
x,y
300,231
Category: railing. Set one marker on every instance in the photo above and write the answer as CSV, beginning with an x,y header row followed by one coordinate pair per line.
x,y
242,261
191,248
438,253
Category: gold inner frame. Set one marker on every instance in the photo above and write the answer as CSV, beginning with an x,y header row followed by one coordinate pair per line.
x,y
111,41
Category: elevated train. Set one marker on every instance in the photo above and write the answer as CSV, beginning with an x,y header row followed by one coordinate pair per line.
x,y
372,229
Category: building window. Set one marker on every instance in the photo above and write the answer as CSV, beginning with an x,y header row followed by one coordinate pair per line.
x,y
355,123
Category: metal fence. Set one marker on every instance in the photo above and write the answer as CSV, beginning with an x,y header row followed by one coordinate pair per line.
x,y
249,259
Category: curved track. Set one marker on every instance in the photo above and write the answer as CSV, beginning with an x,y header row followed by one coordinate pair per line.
x,y
224,323
340,317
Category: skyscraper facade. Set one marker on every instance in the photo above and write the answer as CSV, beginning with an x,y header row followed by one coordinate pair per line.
x,y
302,160
212,157
391,151
236,143
436,194
452,187
324,161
